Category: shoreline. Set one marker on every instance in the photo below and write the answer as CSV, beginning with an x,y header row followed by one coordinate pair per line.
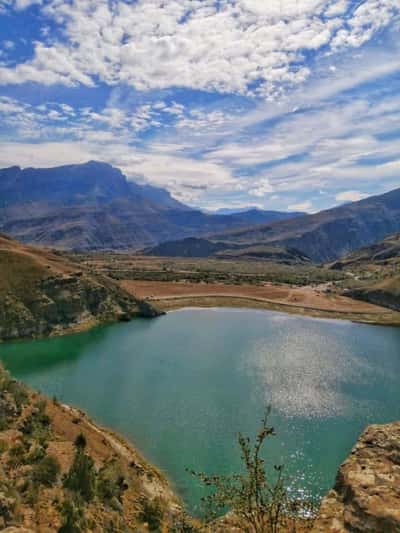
x,y
171,303
155,480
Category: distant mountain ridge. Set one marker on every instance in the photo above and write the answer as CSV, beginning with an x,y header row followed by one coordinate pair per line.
x,y
322,237
93,182
198,247
254,211
94,206
329,234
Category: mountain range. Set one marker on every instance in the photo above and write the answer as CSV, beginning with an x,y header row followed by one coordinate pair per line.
x,y
324,236
94,206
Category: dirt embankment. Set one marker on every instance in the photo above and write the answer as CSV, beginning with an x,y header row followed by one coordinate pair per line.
x,y
314,301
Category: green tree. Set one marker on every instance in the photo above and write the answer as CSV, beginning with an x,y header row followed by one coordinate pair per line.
x,y
81,477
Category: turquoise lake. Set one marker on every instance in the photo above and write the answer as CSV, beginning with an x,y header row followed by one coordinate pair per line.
x,y
182,386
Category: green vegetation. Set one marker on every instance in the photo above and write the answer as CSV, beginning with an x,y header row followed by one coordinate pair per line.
x,y
46,471
152,513
36,425
13,397
259,500
81,477
111,483
73,516
205,270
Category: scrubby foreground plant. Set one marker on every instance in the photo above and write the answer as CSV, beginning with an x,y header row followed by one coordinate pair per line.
x,y
255,500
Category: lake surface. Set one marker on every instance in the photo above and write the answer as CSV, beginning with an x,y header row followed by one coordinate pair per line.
x,y
180,387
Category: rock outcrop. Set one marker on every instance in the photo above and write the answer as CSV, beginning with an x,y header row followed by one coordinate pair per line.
x,y
366,495
43,294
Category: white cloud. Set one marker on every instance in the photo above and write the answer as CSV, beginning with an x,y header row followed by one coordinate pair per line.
x,y
24,4
350,196
260,187
302,206
240,46
329,134
8,45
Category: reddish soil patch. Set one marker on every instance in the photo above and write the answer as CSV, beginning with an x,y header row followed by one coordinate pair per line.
x,y
304,297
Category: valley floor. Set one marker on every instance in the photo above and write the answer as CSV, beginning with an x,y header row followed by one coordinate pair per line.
x,y
317,301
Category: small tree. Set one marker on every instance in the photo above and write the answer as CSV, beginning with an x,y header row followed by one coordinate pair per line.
x,y
46,471
259,504
73,517
80,442
81,477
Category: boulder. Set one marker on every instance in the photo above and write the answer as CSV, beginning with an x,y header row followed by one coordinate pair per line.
x,y
366,495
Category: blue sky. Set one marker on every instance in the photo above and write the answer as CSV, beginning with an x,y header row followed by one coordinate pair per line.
x,y
279,104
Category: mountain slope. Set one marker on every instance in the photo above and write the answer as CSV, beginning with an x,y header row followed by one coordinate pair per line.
x,y
329,234
382,254
198,247
376,270
94,206
43,294
385,293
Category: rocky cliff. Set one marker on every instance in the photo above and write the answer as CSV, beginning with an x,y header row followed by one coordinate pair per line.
x,y
42,294
366,495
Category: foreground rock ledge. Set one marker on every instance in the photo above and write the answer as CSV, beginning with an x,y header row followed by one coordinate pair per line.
x,y
366,496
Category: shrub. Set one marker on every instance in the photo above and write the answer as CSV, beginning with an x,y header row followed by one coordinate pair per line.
x,y
37,424
73,516
182,524
80,442
3,422
19,393
46,471
32,495
110,483
81,477
152,513
3,446
37,454
260,502
17,454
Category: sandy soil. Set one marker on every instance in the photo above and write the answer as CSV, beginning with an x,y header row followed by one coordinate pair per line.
x,y
315,301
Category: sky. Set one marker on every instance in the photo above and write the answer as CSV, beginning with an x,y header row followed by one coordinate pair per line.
x,y
276,104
